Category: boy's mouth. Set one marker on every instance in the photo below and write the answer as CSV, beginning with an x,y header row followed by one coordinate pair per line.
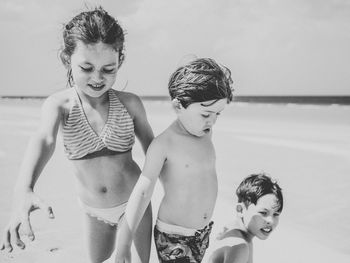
x,y
266,230
207,130
96,87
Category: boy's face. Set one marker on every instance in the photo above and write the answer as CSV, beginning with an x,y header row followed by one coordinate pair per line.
x,y
261,219
199,117
94,68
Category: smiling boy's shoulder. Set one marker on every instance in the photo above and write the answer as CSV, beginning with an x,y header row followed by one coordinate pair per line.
x,y
232,246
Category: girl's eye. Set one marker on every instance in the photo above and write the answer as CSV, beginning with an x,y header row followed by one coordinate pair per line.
x,y
263,213
86,69
218,113
205,115
108,71
276,214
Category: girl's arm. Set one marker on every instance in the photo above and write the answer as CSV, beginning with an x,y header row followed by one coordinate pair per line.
x,y
139,199
136,109
143,129
40,148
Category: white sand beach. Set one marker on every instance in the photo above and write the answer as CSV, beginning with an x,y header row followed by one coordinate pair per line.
x,y
305,147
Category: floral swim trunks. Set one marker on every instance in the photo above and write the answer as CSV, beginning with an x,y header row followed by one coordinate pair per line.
x,y
176,244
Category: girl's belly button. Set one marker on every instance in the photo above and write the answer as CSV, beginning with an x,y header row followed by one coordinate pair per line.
x,y
103,189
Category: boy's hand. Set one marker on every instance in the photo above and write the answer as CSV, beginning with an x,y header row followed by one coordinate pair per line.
x,y
221,234
22,207
123,255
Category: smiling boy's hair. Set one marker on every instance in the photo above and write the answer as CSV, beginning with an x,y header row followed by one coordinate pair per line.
x,y
255,186
200,80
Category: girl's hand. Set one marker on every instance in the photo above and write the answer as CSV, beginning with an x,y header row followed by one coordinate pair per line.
x,y
22,208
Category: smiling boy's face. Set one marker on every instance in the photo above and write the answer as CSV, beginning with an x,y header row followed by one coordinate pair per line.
x,y
199,117
261,219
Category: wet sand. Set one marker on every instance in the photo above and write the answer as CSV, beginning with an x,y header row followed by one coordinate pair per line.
x,y
306,148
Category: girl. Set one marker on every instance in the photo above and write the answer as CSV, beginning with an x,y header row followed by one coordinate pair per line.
x,y
98,126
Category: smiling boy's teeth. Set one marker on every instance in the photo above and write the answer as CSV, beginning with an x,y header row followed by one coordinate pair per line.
x,y
267,229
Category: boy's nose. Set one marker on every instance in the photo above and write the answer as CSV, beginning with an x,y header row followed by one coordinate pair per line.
x,y
269,220
212,119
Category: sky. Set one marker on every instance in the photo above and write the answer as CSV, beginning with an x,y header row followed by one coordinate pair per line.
x,y
273,47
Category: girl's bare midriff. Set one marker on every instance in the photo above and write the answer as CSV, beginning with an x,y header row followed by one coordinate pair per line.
x,y
106,181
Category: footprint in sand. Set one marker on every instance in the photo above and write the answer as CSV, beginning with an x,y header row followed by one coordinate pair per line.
x,y
54,249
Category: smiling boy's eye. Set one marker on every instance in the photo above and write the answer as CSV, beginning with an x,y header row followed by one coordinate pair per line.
x,y
264,213
205,115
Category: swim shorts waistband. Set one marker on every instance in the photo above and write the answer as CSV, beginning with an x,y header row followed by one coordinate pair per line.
x,y
175,229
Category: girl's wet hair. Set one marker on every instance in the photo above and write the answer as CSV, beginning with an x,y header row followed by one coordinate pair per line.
x,y
91,27
257,185
200,80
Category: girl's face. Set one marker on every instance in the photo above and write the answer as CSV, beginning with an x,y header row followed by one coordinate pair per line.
x,y
199,117
261,219
94,68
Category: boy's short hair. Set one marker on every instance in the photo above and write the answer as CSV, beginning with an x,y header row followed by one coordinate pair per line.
x,y
255,186
200,80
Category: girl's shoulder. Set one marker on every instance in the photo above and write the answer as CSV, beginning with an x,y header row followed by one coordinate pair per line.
x,y
59,102
61,98
127,97
131,102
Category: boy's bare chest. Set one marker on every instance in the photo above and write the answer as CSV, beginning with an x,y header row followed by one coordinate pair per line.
x,y
189,152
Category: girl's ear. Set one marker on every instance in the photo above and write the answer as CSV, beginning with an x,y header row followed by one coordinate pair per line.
x,y
121,58
176,104
239,209
65,59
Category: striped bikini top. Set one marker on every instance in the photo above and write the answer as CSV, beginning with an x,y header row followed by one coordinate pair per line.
x,y
80,139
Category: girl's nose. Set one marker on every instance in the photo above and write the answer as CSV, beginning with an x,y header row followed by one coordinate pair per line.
x,y
97,77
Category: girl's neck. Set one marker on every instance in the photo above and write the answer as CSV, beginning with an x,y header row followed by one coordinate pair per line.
x,y
92,101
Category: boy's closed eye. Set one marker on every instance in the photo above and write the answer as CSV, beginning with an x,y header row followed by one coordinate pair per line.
x,y
207,115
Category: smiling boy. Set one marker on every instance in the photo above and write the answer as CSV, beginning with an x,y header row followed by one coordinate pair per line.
x,y
260,203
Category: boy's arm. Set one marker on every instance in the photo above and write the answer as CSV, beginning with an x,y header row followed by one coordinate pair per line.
x,y
237,254
139,199
39,151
